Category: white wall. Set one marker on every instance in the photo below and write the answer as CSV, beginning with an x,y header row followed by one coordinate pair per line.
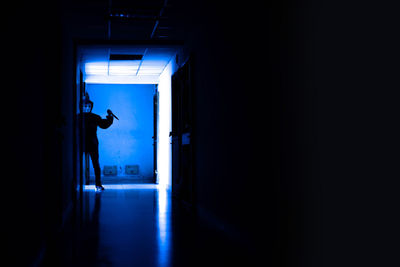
x,y
164,156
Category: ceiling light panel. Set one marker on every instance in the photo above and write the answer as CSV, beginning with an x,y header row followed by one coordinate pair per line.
x,y
152,67
96,68
123,67
144,71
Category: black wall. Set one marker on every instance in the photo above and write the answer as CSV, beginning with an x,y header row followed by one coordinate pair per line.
x,y
338,117
31,123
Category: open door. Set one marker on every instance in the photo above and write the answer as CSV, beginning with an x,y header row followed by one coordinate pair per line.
x,y
155,129
183,186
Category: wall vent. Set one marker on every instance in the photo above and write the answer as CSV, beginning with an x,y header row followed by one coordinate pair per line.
x,y
132,169
110,170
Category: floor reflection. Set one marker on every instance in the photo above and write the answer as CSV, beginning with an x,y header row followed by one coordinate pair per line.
x,y
126,225
142,225
164,228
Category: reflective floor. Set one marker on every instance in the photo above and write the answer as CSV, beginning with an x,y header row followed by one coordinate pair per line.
x,y
141,225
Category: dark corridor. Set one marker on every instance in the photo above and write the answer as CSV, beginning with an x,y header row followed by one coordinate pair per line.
x,y
286,150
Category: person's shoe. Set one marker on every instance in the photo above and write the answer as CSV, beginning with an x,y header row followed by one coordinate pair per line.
x,y
99,188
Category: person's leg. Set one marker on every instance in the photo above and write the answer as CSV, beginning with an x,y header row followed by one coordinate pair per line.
x,y
94,155
87,170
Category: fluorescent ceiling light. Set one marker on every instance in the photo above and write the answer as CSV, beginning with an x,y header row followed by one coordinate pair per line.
x,y
144,71
114,68
123,67
123,70
96,68
122,79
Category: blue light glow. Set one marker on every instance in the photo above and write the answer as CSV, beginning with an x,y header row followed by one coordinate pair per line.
x,y
128,141
155,68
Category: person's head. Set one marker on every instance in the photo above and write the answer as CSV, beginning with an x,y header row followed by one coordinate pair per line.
x,y
87,104
87,107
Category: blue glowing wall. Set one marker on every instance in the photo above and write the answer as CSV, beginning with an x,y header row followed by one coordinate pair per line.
x,y
129,140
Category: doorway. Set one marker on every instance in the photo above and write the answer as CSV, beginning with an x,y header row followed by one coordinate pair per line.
x,y
135,83
183,134
126,147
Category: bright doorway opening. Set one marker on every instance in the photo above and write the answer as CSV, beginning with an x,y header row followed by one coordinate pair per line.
x,y
135,83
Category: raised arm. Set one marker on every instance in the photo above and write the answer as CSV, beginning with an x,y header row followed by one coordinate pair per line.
x,y
105,123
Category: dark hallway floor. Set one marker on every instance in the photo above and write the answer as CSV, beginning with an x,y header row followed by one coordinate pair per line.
x,y
141,225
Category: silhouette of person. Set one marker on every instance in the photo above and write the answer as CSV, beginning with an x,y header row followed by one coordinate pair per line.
x,y
90,122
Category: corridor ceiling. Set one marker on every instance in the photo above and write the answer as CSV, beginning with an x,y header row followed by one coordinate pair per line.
x,y
125,19
98,68
131,20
